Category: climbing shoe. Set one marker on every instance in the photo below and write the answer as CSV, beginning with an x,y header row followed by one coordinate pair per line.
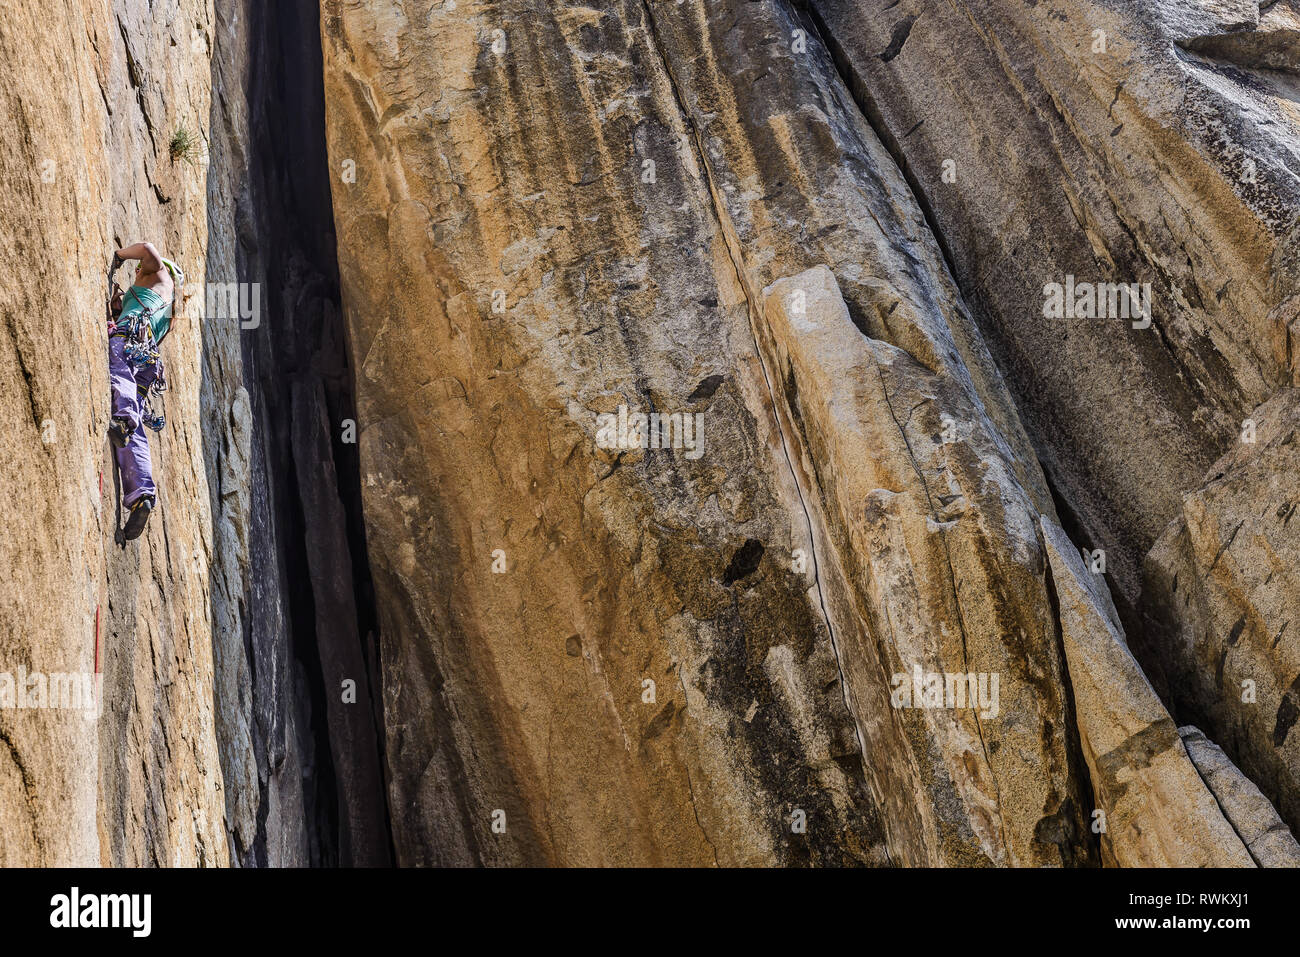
x,y
119,431
135,522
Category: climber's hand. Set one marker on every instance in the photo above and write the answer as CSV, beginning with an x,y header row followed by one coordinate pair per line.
x,y
117,261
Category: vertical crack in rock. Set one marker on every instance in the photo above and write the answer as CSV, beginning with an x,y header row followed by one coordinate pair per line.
x,y
306,377
763,174
754,313
298,690
1078,759
1081,92
1159,809
617,289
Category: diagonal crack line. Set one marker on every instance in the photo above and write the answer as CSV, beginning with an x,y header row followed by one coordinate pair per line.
x,y
907,443
1224,547
857,89
1222,810
753,310
956,595
754,314
28,376
690,785
29,789
867,107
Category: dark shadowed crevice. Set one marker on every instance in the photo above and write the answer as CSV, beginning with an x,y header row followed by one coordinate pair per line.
x,y
1059,828
732,669
297,368
809,14
1136,630
1134,627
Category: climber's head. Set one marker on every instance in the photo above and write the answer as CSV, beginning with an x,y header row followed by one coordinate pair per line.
x,y
177,275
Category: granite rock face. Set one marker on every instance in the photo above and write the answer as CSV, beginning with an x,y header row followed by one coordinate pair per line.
x,y
1224,602
1156,810
553,218
723,433
1266,836
199,739
88,168
619,653
1132,142
938,568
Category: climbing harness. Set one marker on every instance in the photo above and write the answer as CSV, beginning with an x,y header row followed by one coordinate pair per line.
x,y
140,351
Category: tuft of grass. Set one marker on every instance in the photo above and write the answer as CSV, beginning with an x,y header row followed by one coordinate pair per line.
x,y
184,146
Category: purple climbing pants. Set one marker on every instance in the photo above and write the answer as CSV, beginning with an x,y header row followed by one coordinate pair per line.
x,y
129,387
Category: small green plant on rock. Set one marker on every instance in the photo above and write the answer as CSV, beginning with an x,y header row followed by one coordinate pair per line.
x,y
184,146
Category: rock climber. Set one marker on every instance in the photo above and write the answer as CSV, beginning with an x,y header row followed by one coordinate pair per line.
x,y
139,320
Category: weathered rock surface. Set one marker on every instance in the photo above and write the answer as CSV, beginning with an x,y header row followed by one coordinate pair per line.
x,y
1255,820
1158,812
291,603
458,193
1091,140
1267,37
203,753
87,169
836,611
551,212
939,546
522,177
1223,601
48,760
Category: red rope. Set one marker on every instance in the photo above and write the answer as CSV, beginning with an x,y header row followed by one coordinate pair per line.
x,y
101,496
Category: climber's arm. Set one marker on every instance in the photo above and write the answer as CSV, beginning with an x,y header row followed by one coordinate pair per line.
x,y
150,261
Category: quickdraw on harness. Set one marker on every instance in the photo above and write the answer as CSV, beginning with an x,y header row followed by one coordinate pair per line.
x,y
141,351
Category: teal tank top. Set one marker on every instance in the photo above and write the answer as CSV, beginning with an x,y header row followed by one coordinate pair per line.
x,y
137,300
